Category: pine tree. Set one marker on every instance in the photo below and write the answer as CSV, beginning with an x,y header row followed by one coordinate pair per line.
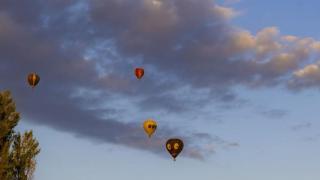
x,y
17,153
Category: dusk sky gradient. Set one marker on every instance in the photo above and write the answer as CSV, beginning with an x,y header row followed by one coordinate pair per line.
x,y
237,80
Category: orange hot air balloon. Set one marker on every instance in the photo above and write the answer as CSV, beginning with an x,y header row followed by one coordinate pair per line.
x,y
139,72
33,79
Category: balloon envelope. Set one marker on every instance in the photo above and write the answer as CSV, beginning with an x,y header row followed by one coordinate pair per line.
x,y
174,147
150,127
139,72
33,79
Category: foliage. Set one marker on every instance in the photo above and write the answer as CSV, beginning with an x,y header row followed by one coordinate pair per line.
x,y
17,152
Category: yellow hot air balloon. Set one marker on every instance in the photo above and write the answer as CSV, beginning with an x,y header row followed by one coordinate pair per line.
x,y
150,127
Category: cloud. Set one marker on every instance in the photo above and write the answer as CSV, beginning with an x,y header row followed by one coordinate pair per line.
x,y
85,52
72,92
225,12
228,2
301,126
312,139
290,38
213,52
274,113
308,76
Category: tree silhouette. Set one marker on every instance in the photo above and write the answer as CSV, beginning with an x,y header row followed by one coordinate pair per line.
x,y
17,152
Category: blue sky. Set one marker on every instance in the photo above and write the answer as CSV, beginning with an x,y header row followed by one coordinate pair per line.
x,y
284,14
246,108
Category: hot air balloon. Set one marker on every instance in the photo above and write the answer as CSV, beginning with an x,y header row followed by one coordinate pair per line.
x,y
174,147
150,127
139,72
33,79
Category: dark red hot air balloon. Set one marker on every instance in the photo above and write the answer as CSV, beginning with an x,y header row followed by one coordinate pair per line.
x,y
174,147
139,72
33,79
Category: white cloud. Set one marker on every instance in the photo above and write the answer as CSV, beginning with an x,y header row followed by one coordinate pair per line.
x,y
290,38
225,12
311,71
